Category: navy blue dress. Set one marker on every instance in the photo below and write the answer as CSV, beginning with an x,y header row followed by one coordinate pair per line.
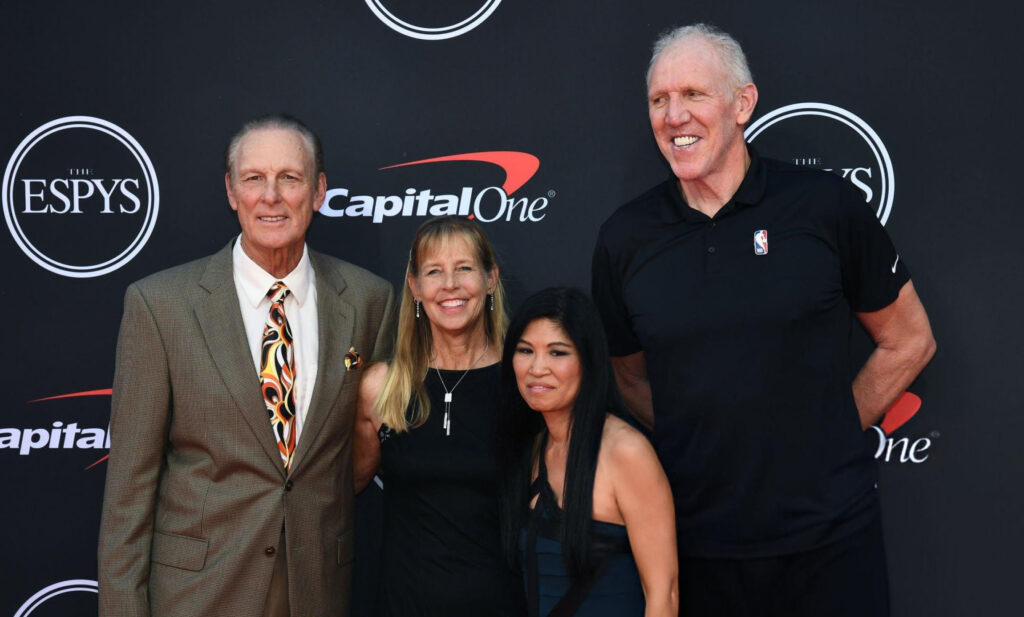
x,y
614,590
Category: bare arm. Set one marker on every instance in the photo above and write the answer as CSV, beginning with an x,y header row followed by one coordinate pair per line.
x,y
644,499
904,346
631,375
366,447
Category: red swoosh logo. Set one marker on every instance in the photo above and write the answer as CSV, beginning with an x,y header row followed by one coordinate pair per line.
x,y
104,392
97,462
901,411
519,166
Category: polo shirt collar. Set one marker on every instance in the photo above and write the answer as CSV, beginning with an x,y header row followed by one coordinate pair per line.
x,y
255,281
749,193
751,190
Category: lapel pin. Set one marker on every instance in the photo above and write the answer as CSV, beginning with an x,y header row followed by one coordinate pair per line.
x,y
352,359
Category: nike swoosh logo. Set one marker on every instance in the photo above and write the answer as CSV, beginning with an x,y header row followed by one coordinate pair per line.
x,y
894,264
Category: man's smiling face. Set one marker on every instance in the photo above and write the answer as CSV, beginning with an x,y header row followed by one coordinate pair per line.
x,y
697,114
275,190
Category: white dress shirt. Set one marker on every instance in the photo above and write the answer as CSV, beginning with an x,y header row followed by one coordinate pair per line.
x,y
252,284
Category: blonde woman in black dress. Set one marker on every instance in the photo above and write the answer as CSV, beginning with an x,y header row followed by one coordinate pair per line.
x,y
426,421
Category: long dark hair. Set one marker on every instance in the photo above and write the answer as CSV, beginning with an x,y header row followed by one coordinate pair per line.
x,y
519,426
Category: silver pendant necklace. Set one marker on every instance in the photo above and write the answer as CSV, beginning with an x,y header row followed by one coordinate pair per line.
x,y
447,426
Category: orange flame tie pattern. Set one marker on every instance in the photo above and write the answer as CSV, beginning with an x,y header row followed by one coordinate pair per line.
x,y
277,373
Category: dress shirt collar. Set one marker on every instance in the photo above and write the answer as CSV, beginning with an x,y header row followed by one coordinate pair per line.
x,y
255,281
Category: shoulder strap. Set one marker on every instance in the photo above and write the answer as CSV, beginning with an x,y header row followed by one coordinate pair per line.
x,y
546,502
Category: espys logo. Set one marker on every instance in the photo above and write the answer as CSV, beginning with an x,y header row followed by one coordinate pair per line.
x,y
433,33
904,449
60,435
486,205
830,138
58,602
80,196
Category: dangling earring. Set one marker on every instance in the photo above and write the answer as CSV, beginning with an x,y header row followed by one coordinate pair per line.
x,y
490,298
417,303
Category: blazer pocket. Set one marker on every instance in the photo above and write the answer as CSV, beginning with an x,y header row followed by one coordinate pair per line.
x,y
179,551
346,552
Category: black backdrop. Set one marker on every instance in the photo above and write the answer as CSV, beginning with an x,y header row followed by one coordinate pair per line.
x,y
936,84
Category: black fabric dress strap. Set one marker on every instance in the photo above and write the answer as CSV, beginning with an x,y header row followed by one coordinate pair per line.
x,y
546,519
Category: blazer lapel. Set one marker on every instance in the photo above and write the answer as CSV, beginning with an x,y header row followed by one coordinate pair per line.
x,y
335,319
221,321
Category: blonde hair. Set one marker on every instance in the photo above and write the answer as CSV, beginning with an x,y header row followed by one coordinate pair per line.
x,y
407,369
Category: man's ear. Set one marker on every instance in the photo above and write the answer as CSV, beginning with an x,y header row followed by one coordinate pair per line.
x,y
746,101
321,191
231,192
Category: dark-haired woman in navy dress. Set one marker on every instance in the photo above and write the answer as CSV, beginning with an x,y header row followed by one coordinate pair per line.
x,y
586,507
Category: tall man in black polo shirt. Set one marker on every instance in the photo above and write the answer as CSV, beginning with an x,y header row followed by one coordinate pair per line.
x,y
728,293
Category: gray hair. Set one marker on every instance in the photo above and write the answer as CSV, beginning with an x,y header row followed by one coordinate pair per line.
x,y
734,62
277,121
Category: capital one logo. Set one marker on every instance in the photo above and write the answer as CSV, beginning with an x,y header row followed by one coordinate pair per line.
x,y
830,138
902,449
80,196
433,33
63,434
486,205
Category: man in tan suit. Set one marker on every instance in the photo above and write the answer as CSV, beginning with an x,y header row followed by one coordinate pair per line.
x,y
229,487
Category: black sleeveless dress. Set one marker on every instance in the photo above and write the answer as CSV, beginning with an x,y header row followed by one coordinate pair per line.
x,y
442,548
614,590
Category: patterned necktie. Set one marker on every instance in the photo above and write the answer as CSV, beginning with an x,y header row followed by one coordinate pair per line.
x,y
277,373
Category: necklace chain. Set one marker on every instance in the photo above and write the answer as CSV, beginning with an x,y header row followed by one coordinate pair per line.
x,y
447,426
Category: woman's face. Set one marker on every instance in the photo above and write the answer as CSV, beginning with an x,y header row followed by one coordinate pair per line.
x,y
547,367
452,285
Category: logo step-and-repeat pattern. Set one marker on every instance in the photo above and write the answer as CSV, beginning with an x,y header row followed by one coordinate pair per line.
x,y
80,178
486,205
829,137
451,29
530,119
74,597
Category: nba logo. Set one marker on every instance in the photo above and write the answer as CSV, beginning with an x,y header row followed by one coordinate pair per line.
x,y
761,242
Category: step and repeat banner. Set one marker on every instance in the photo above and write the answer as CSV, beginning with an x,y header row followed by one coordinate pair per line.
x,y
530,117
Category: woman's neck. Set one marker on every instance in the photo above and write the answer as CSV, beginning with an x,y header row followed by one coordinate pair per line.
x,y
458,352
558,423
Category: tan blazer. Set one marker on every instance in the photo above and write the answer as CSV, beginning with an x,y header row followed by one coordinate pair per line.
x,y
196,493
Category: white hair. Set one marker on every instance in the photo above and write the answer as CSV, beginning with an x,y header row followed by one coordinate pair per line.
x,y
728,49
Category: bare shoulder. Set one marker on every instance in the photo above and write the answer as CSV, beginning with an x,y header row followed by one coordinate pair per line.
x,y
626,447
373,380
369,389
628,474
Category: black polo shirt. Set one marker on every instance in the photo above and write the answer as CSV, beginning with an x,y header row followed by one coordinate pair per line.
x,y
745,322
